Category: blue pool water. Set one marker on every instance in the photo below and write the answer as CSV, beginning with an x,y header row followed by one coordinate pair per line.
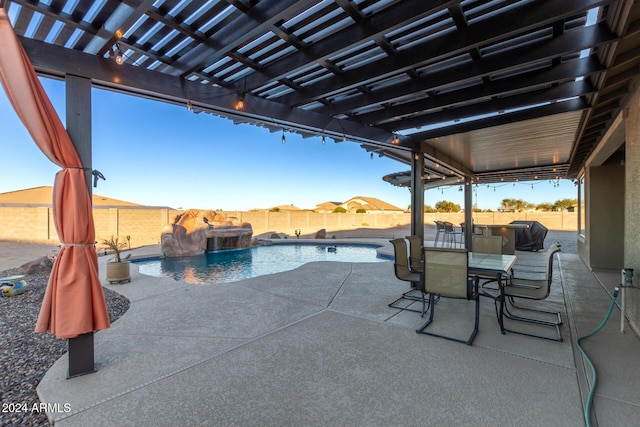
x,y
234,265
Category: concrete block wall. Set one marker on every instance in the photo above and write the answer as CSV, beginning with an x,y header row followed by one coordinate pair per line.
x,y
144,225
27,223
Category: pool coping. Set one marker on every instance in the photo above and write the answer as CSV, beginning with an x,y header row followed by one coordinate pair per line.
x,y
384,248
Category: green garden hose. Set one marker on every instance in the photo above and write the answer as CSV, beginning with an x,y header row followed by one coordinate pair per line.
x,y
587,407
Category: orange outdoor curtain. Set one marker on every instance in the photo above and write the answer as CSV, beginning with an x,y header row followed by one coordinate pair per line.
x,y
74,303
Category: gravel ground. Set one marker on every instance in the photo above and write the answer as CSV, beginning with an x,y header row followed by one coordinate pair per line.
x,y
26,356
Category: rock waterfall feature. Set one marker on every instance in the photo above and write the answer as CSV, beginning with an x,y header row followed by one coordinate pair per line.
x,y
195,231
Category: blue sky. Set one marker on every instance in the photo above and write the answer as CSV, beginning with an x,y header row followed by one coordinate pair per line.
x,y
159,154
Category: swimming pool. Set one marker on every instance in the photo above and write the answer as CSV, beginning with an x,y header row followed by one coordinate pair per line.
x,y
234,265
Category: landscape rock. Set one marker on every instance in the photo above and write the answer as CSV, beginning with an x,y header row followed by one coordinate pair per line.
x,y
195,231
37,266
321,234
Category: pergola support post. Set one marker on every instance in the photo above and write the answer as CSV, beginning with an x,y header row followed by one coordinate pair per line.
x,y
468,214
78,123
417,194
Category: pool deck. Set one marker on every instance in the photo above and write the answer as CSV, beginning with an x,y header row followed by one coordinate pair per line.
x,y
319,346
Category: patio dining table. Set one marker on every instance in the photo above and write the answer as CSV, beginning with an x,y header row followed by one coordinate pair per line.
x,y
485,264
491,264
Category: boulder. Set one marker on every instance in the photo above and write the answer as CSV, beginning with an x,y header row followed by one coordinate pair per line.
x,y
321,234
37,266
195,231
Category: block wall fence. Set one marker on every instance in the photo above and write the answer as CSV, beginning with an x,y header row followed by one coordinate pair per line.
x,y
143,224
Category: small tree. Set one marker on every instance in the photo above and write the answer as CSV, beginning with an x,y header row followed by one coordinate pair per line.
x,y
361,210
339,209
447,206
517,205
565,204
544,207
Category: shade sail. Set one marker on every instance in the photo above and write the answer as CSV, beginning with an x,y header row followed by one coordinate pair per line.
x,y
74,302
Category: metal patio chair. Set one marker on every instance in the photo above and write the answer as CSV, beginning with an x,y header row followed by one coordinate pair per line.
x,y
404,273
487,245
447,275
532,290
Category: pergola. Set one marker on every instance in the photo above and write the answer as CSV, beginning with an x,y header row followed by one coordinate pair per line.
x,y
471,91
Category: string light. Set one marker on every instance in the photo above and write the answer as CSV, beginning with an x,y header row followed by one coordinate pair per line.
x,y
118,55
284,140
493,187
239,105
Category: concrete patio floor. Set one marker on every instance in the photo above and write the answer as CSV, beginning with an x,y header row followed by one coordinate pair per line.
x,y
319,346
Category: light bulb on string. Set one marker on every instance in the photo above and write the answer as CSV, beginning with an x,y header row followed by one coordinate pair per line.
x,y
239,105
119,55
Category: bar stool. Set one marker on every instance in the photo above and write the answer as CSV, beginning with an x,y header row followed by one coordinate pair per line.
x,y
452,232
439,228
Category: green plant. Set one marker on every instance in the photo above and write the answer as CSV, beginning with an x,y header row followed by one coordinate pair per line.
x,y
447,206
115,246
